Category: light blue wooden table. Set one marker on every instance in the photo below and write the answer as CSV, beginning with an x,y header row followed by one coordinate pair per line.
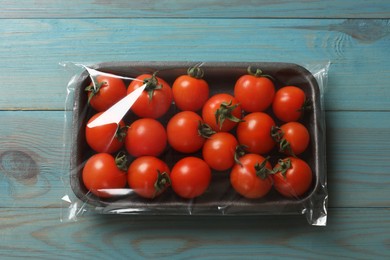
x,y
36,35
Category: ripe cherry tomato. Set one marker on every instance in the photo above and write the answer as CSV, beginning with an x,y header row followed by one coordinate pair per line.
x,y
190,177
107,138
190,92
106,92
255,92
293,138
255,132
219,149
185,132
221,112
148,176
102,175
289,103
155,100
146,136
293,177
250,177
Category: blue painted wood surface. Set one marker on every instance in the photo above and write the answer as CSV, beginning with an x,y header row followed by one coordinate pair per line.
x,y
36,35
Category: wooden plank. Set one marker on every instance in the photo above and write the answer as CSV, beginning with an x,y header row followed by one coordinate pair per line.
x,y
201,8
32,48
38,233
31,152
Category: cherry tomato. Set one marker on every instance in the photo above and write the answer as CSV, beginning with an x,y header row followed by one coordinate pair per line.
x,y
250,177
106,92
293,138
148,176
221,112
102,175
190,92
255,92
107,138
155,100
289,103
184,132
218,151
146,136
190,177
293,177
255,132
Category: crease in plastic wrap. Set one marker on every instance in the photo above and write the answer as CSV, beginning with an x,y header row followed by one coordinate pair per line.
x,y
102,176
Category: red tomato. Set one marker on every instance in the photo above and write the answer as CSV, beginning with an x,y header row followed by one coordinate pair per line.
x,y
289,103
183,132
105,138
102,177
146,136
221,112
155,100
148,176
107,92
255,133
190,177
190,92
293,138
293,177
254,92
251,177
218,151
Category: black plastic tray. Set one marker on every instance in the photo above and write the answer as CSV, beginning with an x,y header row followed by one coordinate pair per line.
x,y
220,198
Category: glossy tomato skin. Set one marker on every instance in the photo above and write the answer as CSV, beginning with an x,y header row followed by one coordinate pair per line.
x,y
289,103
297,136
210,109
143,174
255,133
190,177
146,136
190,93
156,106
100,174
245,180
297,179
182,131
104,138
255,94
218,151
110,92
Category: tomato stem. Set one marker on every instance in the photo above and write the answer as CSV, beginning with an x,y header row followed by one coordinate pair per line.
x,y
240,152
306,106
204,130
261,170
225,111
258,73
162,182
283,167
121,132
152,85
93,89
284,145
195,72
121,161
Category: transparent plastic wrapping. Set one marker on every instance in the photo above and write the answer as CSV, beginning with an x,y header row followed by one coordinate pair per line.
x,y
137,156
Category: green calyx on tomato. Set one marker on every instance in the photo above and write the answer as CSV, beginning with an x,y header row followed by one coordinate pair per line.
x,y
204,130
241,150
284,145
261,170
121,132
121,161
195,72
162,181
151,85
283,167
94,88
225,112
258,73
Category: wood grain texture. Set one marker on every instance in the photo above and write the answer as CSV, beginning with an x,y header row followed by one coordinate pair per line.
x,y
351,233
199,9
32,49
32,173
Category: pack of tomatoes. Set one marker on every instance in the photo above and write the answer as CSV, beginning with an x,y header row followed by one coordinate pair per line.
x,y
199,138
